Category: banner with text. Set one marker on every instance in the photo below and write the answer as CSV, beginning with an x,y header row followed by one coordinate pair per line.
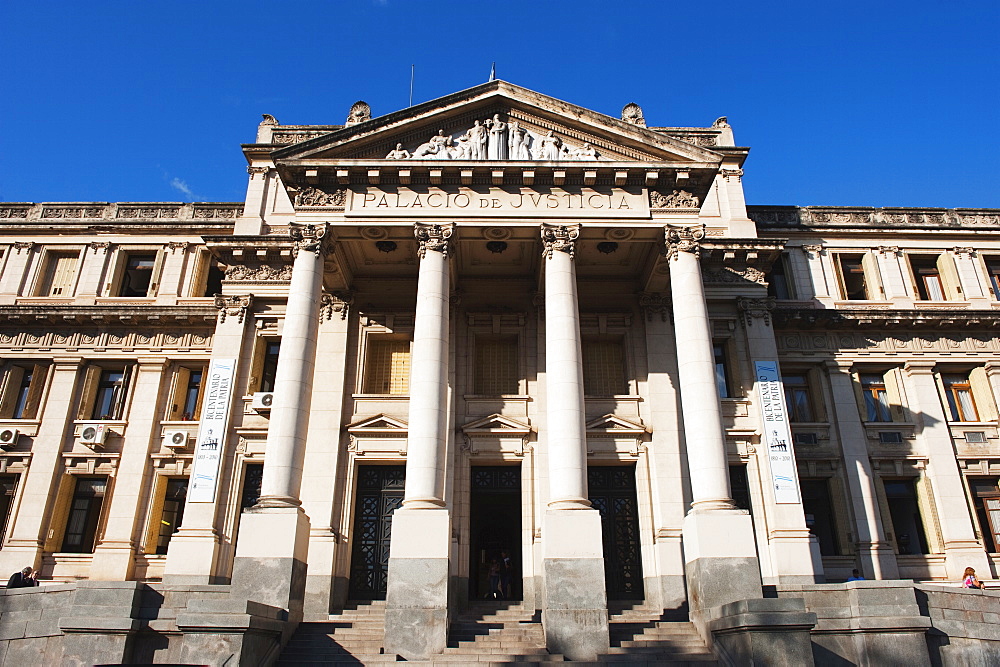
x,y
218,390
777,434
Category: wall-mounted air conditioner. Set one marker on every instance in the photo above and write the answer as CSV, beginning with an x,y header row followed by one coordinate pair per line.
x,y
93,435
175,439
8,437
262,401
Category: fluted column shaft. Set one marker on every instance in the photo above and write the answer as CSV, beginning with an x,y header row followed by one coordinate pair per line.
x,y
566,429
286,435
703,432
428,420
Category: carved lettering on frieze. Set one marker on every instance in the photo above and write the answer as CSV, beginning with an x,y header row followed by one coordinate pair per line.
x,y
676,199
683,239
339,302
432,237
311,238
559,238
315,197
233,306
752,309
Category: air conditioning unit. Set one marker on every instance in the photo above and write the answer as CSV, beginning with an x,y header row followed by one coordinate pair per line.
x,y
262,401
8,437
971,437
93,435
175,439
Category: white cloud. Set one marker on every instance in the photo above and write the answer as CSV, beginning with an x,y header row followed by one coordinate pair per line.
x,y
182,187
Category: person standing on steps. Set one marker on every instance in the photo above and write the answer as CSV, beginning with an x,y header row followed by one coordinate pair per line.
x,y
506,574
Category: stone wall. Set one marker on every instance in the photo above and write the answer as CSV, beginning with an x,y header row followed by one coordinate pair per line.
x,y
965,624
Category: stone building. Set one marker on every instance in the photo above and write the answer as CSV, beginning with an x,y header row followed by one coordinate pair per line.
x,y
493,322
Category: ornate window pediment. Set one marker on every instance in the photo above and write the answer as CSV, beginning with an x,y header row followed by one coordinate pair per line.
x,y
496,425
379,425
612,426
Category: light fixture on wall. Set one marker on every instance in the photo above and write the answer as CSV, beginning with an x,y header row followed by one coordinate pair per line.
x,y
385,246
496,246
607,247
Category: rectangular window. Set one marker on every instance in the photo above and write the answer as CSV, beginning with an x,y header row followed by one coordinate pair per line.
x,y
721,369
8,486
853,283
172,512
387,366
904,512
84,515
779,284
798,398
137,274
105,392
59,274
818,508
739,487
986,498
958,392
269,369
993,270
604,366
927,277
213,281
185,402
22,390
877,406
496,371
252,477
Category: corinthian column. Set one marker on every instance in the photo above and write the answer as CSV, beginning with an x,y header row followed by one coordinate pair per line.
x,y
574,613
273,541
416,607
719,551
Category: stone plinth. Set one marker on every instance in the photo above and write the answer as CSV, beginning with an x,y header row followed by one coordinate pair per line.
x,y
719,558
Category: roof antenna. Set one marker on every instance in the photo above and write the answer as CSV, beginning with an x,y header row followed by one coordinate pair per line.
x,y
412,67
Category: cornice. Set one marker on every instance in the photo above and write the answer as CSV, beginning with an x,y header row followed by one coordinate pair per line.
x,y
860,218
126,314
882,318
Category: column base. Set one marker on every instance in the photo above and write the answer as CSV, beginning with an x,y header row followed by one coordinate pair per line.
x,y
112,563
720,559
961,555
271,555
795,557
191,557
575,604
878,560
416,603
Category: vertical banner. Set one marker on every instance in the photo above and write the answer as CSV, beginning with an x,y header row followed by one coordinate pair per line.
x,y
777,434
212,431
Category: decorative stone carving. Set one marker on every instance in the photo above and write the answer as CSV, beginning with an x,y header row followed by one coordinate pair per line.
x,y
732,275
752,309
517,142
432,237
653,303
308,237
632,113
148,212
13,212
359,113
676,199
253,171
496,147
721,121
561,238
174,246
23,245
99,246
730,174
268,119
315,197
398,153
495,139
225,212
813,250
683,239
549,148
260,273
888,250
964,253
339,302
235,305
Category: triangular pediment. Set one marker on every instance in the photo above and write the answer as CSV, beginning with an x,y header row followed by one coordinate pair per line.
x,y
496,424
378,424
612,425
537,128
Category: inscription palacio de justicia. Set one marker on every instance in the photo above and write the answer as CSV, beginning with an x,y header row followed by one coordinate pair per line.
x,y
550,202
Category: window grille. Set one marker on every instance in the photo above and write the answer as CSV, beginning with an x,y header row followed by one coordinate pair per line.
x,y
387,367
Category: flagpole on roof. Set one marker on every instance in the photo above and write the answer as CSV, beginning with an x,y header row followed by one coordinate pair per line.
x,y
412,68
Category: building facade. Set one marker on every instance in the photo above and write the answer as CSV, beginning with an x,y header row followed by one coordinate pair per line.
x,y
498,324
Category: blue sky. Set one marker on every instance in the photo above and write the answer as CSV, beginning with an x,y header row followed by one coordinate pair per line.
x,y
843,103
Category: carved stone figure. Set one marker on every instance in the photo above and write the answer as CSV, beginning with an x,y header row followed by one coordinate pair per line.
x,y
436,148
316,197
359,113
632,113
517,142
550,147
398,153
477,141
268,119
497,146
462,148
677,199
585,152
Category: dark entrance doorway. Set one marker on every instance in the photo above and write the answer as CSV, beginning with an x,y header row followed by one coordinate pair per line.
x,y
380,492
612,492
495,508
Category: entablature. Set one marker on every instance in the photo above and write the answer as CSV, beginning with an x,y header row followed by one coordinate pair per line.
x,y
880,317
857,218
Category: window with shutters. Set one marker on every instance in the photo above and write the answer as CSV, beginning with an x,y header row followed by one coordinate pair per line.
x,y
986,500
854,281
186,393
927,280
171,512
8,487
135,273
497,371
58,274
958,394
105,392
84,514
23,383
820,515
604,366
723,369
779,279
387,365
905,516
798,397
876,397
993,271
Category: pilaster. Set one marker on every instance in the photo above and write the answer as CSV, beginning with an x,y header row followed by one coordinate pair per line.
x,y
95,262
891,272
19,256
970,277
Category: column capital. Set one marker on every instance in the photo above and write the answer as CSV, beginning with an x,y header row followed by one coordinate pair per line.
x,y
310,238
813,250
559,237
751,309
653,304
433,237
683,239
841,365
236,305
338,302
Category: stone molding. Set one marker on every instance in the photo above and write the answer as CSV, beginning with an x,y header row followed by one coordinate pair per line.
x,y
432,237
865,217
260,273
235,306
683,239
880,317
561,238
751,309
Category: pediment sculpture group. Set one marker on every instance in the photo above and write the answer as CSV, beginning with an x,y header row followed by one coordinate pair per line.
x,y
494,139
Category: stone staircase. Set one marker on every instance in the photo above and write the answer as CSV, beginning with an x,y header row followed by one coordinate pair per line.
x,y
495,633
